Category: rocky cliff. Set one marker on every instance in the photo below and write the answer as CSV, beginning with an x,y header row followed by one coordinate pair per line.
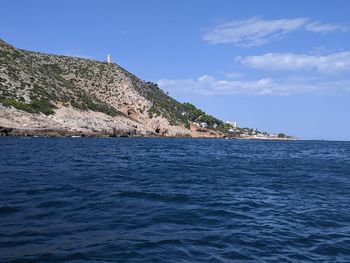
x,y
42,94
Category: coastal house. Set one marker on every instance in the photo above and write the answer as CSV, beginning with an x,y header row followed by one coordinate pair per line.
x,y
204,124
272,135
232,123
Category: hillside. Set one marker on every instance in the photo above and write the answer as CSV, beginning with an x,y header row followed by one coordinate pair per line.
x,y
42,94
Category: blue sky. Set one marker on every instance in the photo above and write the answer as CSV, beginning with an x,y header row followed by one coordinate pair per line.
x,y
279,66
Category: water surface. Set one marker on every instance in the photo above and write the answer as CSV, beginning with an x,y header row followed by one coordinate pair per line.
x,y
174,200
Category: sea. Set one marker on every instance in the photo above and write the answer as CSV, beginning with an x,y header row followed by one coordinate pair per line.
x,y
173,200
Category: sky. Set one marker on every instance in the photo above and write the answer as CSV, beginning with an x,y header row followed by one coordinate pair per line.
x,y
278,66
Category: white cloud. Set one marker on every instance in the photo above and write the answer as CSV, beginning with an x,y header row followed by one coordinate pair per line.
x,y
208,85
331,63
255,31
324,28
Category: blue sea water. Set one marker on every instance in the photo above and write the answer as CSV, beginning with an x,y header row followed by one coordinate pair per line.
x,y
174,200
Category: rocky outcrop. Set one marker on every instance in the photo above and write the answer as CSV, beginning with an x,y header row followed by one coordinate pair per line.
x,y
43,94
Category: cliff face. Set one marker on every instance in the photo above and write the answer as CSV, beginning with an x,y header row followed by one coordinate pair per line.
x,y
49,94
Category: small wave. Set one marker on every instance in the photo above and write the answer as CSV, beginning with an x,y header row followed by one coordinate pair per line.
x,y
54,204
155,196
4,210
332,249
234,255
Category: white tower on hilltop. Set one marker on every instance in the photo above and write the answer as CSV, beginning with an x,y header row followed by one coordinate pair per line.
x,y
109,59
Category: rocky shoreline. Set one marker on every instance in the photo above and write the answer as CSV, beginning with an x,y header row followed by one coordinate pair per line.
x,y
68,122
6,131
14,132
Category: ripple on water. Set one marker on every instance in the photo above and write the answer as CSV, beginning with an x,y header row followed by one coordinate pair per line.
x,y
53,204
154,196
5,210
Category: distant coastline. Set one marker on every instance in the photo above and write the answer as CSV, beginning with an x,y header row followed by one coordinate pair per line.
x,y
51,95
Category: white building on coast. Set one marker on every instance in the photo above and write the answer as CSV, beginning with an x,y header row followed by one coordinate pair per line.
x,y
232,123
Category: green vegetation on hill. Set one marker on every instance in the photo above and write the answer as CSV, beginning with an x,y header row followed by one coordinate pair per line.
x,y
197,115
42,101
177,112
49,80
35,106
164,105
43,78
